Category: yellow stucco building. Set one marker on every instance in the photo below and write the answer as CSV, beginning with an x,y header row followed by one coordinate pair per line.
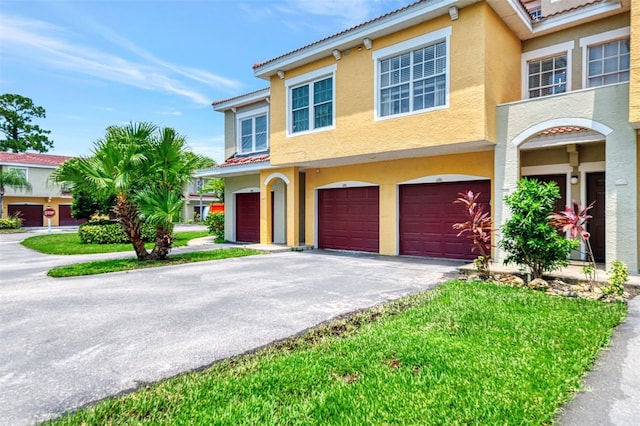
x,y
363,140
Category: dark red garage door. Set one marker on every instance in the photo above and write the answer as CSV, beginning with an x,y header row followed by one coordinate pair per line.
x,y
349,219
31,215
427,213
65,218
248,217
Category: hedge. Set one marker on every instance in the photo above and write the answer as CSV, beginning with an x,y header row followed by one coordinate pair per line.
x,y
110,232
12,222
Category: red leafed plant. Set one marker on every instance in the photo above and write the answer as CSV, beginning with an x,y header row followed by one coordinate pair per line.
x,y
573,220
478,228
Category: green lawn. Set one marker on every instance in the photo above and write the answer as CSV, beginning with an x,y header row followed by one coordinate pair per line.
x,y
69,243
466,353
131,263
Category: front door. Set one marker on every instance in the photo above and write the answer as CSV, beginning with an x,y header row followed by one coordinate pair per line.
x,y
596,227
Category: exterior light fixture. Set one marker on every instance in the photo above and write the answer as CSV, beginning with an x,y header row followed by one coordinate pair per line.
x,y
280,74
453,13
336,54
367,43
574,179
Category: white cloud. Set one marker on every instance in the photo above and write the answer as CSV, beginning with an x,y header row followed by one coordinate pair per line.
x,y
212,147
50,45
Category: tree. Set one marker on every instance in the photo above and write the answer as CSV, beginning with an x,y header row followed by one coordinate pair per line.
x,y
12,178
16,114
145,169
528,237
215,186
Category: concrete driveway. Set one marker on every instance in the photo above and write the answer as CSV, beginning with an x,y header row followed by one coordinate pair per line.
x,y
65,343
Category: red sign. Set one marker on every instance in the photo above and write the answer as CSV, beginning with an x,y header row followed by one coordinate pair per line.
x,y
49,212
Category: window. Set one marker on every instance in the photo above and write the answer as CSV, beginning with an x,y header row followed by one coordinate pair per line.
x,y
310,100
547,76
547,71
605,58
608,63
253,133
412,76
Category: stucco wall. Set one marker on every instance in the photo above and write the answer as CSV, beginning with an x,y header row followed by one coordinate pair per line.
x,y
388,175
469,116
39,179
601,109
54,203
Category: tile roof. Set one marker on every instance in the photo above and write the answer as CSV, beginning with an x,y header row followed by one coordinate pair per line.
x,y
241,161
260,64
561,130
533,6
33,158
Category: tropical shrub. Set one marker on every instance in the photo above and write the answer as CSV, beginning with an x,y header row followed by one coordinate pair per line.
x,y
110,232
215,223
618,275
573,220
528,238
478,229
12,222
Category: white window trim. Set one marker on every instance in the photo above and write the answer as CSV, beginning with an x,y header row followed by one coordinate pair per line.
x,y
250,114
555,50
407,46
24,169
595,39
291,83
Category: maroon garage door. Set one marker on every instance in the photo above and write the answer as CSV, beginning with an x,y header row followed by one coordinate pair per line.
x,y
427,212
31,215
349,219
248,217
65,218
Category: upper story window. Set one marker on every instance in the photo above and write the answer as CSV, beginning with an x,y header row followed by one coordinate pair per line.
x,y
547,71
310,101
413,76
253,131
606,58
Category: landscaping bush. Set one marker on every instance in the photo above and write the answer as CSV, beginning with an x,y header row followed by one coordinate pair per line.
x,y
110,232
215,223
528,238
12,222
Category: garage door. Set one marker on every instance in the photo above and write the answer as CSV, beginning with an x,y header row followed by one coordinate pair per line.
x,y
65,218
31,214
427,214
248,217
349,219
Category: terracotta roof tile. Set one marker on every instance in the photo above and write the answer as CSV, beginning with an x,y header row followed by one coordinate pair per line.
x,y
33,159
260,64
561,130
241,161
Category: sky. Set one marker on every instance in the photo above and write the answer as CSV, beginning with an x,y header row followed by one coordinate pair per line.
x,y
95,63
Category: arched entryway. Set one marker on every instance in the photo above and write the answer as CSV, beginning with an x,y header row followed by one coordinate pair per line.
x,y
276,188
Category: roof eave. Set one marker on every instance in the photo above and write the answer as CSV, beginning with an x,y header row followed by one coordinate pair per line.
x,y
378,28
242,100
229,171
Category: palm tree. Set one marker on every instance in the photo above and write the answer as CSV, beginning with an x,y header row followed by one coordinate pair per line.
x,y
12,178
169,168
112,171
145,169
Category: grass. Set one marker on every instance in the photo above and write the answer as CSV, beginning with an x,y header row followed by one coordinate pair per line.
x,y
69,243
466,353
128,264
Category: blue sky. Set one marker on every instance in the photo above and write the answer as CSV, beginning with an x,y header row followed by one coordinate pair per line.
x,y
96,63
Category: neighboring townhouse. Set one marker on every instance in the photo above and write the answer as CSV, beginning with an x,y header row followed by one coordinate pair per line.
x,y
196,204
363,139
30,205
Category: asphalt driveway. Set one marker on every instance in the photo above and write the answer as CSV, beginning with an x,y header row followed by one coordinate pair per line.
x,y
67,342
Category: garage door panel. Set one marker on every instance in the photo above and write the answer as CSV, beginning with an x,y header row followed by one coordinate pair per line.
x,y
348,219
32,215
248,217
427,213
65,218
